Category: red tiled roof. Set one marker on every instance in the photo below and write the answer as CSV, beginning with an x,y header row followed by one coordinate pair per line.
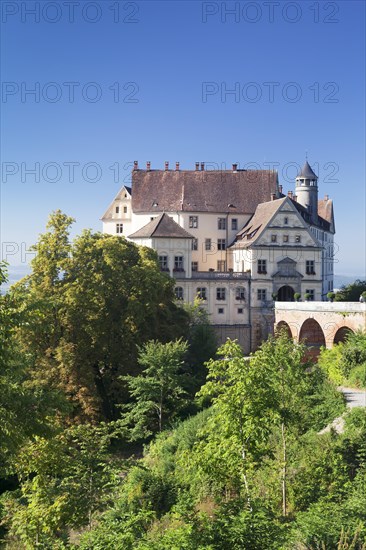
x,y
202,191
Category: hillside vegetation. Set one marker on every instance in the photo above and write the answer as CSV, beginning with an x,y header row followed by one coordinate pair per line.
x,y
122,427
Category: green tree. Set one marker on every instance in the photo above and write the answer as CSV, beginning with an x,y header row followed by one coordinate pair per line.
x,y
89,305
26,409
236,435
202,342
351,292
157,392
64,481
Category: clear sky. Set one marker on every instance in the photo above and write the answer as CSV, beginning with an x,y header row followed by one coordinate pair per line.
x,y
117,81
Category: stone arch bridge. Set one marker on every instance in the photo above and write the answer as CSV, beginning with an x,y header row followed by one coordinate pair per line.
x,y
320,323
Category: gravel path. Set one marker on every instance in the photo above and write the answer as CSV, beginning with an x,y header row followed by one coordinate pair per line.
x,y
354,398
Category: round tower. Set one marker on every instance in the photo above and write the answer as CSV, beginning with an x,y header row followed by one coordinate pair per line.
x,y
307,191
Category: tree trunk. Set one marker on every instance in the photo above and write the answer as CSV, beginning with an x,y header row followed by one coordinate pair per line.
x,y
284,470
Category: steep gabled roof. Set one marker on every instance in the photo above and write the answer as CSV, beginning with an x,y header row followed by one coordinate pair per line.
x,y
262,217
202,191
258,223
107,214
161,226
307,172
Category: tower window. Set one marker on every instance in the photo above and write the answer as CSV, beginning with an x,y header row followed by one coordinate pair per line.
x,y
285,221
273,238
285,238
220,310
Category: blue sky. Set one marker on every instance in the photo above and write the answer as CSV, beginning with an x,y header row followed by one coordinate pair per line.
x,y
152,80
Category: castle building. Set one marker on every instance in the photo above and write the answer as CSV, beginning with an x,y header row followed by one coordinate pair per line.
x,y
232,238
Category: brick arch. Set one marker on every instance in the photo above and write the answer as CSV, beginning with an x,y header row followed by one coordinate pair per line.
x,y
311,334
282,325
341,334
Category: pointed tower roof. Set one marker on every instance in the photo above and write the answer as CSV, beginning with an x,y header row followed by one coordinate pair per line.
x,y
162,226
307,172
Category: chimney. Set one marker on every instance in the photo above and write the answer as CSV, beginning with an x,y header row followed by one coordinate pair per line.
x,y
166,165
177,166
273,196
235,167
295,198
290,194
202,166
135,164
197,166
148,166
280,189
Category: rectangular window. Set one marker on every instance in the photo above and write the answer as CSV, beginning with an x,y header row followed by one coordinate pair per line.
x,y
117,209
220,310
221,244
193,221
234,224
285,221
178,293
178,263
221,223
240,293
163,262
119,228
297,238
207,244
240,310
221,294
310,294
125,209
202,293
221,265
310,267
194,244
285,238
261,294
262,266
194,266
273,238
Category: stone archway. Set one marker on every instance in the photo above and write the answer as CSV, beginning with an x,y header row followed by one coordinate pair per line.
x,y
312,335
285,294
283,326
341,334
